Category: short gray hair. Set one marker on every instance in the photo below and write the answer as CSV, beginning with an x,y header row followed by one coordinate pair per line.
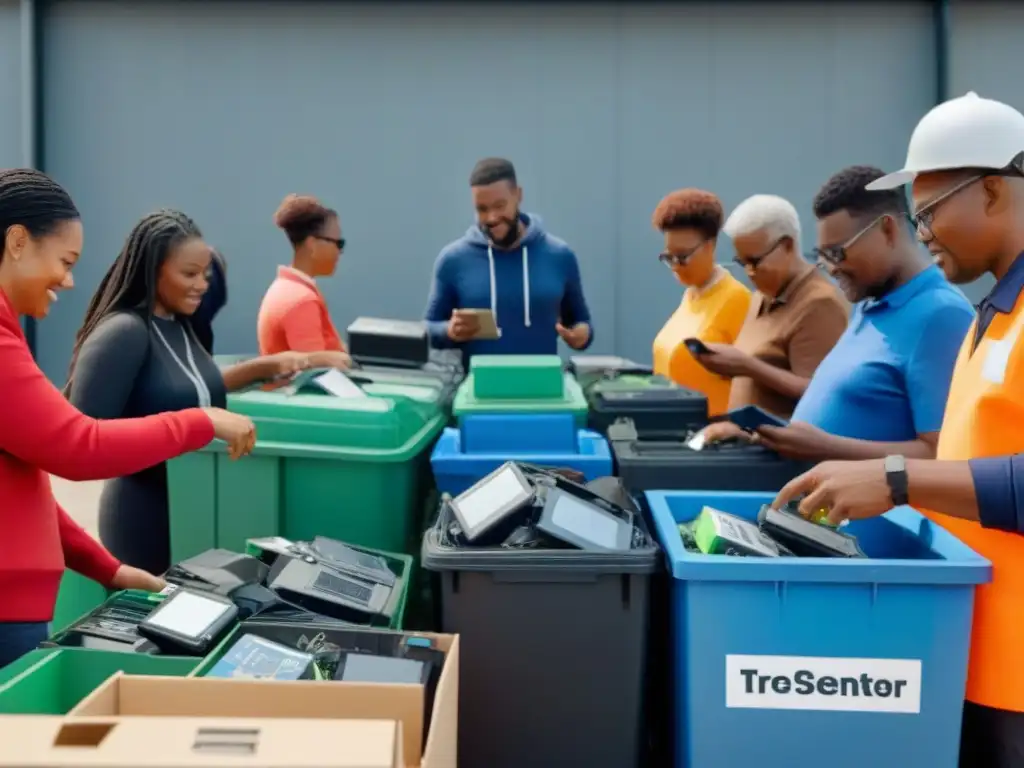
x,y
768,213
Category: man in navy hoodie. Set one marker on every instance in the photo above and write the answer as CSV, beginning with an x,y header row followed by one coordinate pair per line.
x,y
507,263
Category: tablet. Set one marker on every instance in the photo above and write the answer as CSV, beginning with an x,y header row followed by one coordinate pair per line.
x,y
750,417
188,620
489,330
584,525
491,500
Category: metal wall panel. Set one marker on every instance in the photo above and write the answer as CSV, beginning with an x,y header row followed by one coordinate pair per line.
x,y
10,85
381,110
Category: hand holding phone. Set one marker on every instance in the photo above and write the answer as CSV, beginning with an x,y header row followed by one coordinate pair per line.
x,y
749,418
696,347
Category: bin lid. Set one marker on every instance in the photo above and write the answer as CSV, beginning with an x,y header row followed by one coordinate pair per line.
x,y
395,417
571,400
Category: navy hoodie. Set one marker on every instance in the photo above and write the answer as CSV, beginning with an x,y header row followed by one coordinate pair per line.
x,y
529,288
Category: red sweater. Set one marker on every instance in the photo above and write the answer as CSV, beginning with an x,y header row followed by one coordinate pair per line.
x,y
41,433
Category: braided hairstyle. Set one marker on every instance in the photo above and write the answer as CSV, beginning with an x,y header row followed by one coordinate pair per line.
x,y
33,200
131,281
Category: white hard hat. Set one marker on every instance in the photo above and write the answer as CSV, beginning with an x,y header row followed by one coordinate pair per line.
x,y
967,132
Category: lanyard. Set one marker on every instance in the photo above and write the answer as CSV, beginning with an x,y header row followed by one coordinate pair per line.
x,y
202,391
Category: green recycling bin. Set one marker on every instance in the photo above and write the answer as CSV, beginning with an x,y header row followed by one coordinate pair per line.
x,y
52,681
472,400
349,468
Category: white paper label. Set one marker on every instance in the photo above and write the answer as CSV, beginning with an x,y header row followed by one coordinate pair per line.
x,y
824,684
338,384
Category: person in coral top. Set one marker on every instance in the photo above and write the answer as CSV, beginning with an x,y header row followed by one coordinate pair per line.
x,y
293,315
714,303
41,433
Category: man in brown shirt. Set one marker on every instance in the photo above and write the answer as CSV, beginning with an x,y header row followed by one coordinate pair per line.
x,y
795,318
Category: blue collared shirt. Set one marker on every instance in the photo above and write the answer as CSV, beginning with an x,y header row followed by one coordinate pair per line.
x,y
887,378
999,481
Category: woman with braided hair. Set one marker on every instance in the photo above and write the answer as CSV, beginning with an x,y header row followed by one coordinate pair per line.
x,y
137,353
42,434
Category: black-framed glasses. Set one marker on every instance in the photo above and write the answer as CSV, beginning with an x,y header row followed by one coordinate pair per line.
x,y
751,263
923,219
671,260
337,241
836,254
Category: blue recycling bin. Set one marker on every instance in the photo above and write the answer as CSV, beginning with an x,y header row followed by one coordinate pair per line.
x,y
456,470
846,663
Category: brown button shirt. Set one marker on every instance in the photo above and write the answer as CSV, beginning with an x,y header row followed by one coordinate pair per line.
x,y
793,332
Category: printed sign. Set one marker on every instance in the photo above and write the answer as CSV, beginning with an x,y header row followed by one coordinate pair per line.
x,y
821,683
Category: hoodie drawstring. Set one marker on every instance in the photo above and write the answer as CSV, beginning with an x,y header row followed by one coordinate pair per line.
x,y
526,285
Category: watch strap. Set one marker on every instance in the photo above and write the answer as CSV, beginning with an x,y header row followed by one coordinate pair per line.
x,y
896,477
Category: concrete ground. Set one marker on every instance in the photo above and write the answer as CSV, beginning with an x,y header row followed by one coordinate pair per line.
x,y
81,500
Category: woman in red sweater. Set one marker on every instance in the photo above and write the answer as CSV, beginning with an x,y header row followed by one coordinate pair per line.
x,y
41,433
293,315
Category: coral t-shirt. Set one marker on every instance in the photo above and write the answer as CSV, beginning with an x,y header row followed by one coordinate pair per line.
x,y
293,316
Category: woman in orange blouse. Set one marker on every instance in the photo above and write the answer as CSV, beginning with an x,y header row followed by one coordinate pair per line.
x,y
714,303
293,315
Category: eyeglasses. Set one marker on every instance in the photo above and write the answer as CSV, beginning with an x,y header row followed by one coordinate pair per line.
x,y
923,219
751,263
836,254
337,241
671,260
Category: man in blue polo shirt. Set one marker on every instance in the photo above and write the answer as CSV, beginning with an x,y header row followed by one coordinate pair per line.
x,y
882,389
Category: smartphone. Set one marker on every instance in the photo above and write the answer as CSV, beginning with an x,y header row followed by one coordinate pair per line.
x,y
488,328
696,346
750,417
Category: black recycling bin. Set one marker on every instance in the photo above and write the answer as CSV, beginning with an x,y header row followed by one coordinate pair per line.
x,y
656,405
591,368
666,463
554,651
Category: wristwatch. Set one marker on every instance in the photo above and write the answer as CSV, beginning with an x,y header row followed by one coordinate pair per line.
x,y
896,477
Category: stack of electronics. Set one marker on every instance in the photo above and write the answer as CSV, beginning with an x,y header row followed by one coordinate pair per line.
x,y
297,652
777,533
520,506
330,579
177,622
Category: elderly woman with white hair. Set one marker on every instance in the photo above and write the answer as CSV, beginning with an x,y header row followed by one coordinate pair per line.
x,y
795,317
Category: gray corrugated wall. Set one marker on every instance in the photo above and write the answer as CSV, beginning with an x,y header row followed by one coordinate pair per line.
x,y
10,84
986,56
381,109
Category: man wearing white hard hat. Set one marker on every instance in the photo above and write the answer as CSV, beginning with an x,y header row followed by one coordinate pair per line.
x,y
966,167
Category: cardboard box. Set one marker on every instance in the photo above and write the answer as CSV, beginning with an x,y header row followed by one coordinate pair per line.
x,y
137,696
185,742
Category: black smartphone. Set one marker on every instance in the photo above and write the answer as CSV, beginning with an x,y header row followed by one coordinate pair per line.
x,y
750,417
696,346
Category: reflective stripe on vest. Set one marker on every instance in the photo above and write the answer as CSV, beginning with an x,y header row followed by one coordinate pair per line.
x,y
985,417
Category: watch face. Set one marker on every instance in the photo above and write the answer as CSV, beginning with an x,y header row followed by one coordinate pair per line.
x,y
895,464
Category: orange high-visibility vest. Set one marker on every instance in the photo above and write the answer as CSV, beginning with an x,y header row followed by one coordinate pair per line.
x,y
985,417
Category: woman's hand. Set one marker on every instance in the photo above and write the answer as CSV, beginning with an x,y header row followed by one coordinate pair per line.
x,y
332,359
285,364
128,577
723,430
237,431
725,360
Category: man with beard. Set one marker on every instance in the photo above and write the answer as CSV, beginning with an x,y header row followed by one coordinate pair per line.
x,y
966,164
508,264
882,389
